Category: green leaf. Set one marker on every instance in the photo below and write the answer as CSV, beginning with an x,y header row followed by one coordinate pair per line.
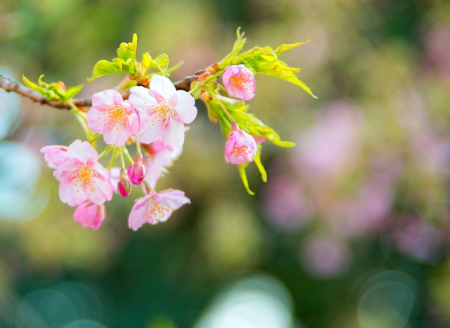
x,y
71,92
128,50
124,63
285,47
243,175
246,121
237,47
261,169
265,61
161,63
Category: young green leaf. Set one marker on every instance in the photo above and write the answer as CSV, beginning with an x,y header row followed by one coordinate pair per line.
x,y
265,61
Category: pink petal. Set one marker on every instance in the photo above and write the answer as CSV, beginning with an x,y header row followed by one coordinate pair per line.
x,y
105,98
150,131
133,121
185,107
96,119
174,135
116,134
71,194
163,86
141,99
100,191
82,151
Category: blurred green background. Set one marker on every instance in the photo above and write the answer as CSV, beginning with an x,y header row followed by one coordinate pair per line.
x,y
352,228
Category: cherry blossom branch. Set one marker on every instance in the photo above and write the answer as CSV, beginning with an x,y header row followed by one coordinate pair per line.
x,y
12,86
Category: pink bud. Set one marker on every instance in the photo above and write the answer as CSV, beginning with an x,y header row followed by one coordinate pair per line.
x,y
239,82
90,215
124,184
136,172
240,147
55,156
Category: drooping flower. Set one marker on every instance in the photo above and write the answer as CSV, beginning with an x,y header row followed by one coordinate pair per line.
x,y
136,172
159,160
116,118
239,82
82,177
90,215
240,147
156,207
163,111
55,156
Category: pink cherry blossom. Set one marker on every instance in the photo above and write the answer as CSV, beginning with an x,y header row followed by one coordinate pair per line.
x,y
240,147
82,177
239,82
163,111
159,160
116,118
90,215
156,207
55,156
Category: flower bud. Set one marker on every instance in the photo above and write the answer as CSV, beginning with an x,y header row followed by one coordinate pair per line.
x,y
239,82
136,172
90,215
240,147
124,184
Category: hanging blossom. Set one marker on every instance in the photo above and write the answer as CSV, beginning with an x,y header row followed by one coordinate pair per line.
x,y
90,215
239,82
112,116
82,177
55,156
240,147
163,111
159,160
156,207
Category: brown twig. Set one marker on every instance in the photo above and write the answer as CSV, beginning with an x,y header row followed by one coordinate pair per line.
x,y
12,86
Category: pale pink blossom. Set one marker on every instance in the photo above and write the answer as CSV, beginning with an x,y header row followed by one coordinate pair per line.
x,y
55,156
90,215
159,160
163,111
156,207
116,118
239,82
240,147
82,177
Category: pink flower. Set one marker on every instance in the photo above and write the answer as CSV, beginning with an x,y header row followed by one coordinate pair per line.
x,y
156,207
55,156
90,215
159,161
111,115
240,147
163,111
239,82
82,177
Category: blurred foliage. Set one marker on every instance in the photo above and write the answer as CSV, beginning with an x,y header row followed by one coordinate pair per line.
x,y
355,217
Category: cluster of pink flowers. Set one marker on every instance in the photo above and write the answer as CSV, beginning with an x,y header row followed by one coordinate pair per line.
x,y
154,117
